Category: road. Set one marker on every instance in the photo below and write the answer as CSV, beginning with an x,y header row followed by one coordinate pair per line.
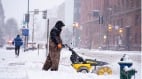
x,y
113,57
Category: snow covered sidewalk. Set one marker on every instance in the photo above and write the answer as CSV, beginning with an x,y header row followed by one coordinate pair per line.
x,y
29,66
12,67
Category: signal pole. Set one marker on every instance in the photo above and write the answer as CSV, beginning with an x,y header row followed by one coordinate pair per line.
x,y
27,37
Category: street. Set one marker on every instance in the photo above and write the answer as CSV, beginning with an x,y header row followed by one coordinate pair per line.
x,y
29,64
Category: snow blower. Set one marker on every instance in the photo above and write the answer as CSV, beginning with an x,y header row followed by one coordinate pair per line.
x,y
88,65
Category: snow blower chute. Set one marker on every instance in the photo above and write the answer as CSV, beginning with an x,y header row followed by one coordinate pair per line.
x,y
88,65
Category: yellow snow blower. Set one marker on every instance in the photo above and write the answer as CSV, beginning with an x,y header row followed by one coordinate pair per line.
x,y
88,65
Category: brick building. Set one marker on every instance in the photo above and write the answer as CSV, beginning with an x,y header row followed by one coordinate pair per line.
x,y
110,24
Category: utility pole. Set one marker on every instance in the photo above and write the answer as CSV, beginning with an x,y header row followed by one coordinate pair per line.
x,y
27,18
33,31
28,15
44,16
100,29
47,48
128,38
27,37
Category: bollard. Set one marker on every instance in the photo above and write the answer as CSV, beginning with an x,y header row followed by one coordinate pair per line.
x,y
38,48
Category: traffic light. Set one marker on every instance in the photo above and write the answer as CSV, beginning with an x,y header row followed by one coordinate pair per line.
x,y
44,16
36,11
27,18
100,19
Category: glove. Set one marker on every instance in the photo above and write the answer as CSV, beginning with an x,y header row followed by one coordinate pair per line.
x,y
59,45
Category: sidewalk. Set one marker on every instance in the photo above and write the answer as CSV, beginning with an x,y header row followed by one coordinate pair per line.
x,y
29,65
13,67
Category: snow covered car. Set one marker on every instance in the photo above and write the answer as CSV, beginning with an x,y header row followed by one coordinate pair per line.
x,y
10,47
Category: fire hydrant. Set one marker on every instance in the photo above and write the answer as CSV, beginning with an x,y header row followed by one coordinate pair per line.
x,y
126,70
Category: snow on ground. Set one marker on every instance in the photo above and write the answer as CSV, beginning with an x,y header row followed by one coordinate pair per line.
x,y
29,64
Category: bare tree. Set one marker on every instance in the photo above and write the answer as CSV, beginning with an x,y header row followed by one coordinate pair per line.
x,y
11,28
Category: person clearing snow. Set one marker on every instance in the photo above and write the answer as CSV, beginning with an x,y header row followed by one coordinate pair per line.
x,y
55,46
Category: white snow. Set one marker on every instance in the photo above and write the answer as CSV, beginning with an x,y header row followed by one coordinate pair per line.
x,y
29,64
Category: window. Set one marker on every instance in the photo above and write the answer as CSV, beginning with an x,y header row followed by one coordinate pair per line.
x,y
137,20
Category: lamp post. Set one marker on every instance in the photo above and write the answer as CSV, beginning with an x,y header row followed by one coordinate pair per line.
x,y
99,15
75,25
105,41
28,15
109,29
33,31
127,38
44,16
120,31
27,21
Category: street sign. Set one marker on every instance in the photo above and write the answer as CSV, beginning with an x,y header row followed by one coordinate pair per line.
x,y
25,32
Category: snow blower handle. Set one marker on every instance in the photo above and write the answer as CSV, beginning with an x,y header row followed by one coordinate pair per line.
x,y
75,58
70,49
67,46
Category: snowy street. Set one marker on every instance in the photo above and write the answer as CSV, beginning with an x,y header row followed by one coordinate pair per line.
x,y
29,64
83,39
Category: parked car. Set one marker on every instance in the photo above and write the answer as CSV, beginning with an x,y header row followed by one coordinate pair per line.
x,y
10,47
31,46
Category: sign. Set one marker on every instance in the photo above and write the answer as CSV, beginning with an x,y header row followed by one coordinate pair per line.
x,y
25,32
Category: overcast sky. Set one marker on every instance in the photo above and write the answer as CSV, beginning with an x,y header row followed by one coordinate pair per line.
x,y
17,8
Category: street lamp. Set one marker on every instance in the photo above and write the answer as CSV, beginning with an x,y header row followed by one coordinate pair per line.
x,y
128,37
75,26
120,30
109,28
105,37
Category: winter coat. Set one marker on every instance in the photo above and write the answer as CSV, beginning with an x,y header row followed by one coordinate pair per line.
x,y
53,57
55,32
17,41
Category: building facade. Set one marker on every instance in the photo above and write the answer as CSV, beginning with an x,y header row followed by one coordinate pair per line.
x,y
110,24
